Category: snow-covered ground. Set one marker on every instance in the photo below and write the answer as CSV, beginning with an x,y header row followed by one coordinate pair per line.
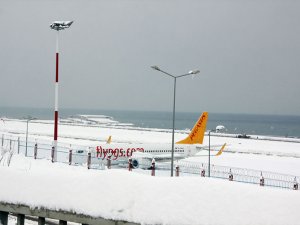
x,y
138,197
123,195
280,155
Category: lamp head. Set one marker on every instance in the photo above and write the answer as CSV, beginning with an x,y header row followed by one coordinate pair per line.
x,y
155,68
194,71
60,25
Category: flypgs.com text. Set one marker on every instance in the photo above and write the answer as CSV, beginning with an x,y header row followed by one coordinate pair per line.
x,y
116,153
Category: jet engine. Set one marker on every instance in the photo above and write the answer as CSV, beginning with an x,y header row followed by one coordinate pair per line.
x,y
135,163
140,162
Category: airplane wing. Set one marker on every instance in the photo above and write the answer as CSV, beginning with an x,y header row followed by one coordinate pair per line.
x,y
160,157
218,153
167,157
206,147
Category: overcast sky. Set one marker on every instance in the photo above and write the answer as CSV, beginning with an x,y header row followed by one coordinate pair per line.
x,y
248,53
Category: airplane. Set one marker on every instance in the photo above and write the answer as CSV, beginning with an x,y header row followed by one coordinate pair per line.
x,y
60,25
142,154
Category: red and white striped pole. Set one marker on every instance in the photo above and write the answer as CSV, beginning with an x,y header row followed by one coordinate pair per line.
x,y
57,25
56,101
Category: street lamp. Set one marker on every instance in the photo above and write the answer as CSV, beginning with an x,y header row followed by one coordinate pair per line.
x,y
57,25
192,72
28,118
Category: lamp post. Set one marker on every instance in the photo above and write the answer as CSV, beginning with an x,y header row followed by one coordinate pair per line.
x,y
209,151
28,118
57,25
192,72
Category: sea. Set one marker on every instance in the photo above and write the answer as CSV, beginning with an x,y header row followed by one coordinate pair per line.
x,y
250,124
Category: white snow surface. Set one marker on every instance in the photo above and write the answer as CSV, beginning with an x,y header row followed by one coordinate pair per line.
x,y
276,154
136,197
130,196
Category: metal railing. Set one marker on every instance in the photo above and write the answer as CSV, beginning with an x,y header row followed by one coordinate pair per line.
x,y
42,149
74,155
42,213
263,178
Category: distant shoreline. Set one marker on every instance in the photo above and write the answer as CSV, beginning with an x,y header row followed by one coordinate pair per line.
x,y
268,125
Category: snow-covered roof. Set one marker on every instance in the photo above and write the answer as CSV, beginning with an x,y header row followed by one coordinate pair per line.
x,y
129,196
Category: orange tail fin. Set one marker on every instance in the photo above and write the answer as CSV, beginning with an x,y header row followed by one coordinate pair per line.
x,y
197,134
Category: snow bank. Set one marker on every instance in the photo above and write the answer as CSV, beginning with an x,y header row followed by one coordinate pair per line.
x,y
123,195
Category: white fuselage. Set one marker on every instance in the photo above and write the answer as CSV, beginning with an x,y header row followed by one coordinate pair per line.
x,y
122,152
155,150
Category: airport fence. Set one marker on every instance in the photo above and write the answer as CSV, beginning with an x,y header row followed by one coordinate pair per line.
x,y
263,178
74,155
71,154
